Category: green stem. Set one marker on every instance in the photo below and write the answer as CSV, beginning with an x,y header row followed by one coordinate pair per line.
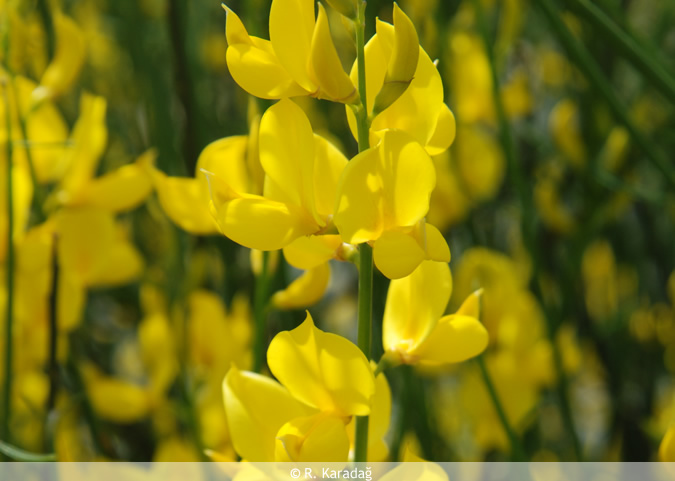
x,y
365,302
649,66
601,84
39,194
517,451
365,316
17,454
260,313
5,415
53,363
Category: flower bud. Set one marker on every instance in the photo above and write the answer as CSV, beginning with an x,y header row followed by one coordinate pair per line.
x,y
402,64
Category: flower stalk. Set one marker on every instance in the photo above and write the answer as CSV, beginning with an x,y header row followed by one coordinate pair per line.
x,y
365,301
260,312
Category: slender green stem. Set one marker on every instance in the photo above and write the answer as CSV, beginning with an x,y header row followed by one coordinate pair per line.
x,y
39,194
365,313
363,338
48,24
260,313
18,454
527,215
517,451
53,363
6,414
652,68
601,84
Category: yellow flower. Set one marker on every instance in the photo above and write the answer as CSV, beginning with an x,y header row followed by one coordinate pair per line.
x,y
120,190
68,59
414,328
324,380
304,291
419,110
383,197
301,176
299,59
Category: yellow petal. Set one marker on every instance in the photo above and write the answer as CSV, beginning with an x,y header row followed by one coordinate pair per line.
x,y
323,370
291,28
444,133
436,245
89,139
85,237
417,110
47,132
123,264
328,166
317,438
114,399
304,291
226,159
667,446
120,190
359,216
185,201
471,305
253,425
310,251
258,223
384,187
325,67
68,59
414,306
254,65
287,153
402,61
456,338
397,254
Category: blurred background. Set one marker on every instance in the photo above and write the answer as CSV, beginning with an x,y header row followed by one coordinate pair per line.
x,y
556,197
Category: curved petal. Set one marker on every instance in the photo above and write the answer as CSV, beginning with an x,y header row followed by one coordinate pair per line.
x,y
397,254
359,214
325,67
323,370
89,139
436,246
259,223
456,338
69,56
118,191
287,152
291,29
185,201
444,133
414,305
403,61
85,237
408,176
226,159
306,290
253,425
328,166
123,264
310,251
317,438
